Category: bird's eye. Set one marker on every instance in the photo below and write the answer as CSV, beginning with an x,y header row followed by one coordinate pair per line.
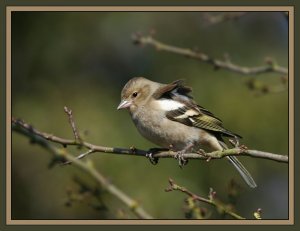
x,y
134,94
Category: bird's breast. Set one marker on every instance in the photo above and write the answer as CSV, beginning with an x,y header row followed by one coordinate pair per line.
x,y
163,132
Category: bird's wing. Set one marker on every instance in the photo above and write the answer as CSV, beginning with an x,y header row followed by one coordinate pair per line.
x,y
190,113
165,90
197,117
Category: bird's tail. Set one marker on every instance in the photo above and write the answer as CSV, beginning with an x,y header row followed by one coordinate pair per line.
x,y
241,169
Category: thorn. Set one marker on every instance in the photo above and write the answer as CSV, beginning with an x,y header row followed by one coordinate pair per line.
x,y
66,163
171,181
170,188
67,110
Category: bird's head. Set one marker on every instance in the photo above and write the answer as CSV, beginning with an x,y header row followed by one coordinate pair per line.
x,y
135,93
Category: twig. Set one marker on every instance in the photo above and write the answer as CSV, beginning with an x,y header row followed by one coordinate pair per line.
x,y
63,155
26,129
218,64
193,211
211,19
261,88
72,123
81,156
211,200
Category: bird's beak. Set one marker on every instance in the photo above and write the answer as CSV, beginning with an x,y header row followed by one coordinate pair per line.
x,y
124,104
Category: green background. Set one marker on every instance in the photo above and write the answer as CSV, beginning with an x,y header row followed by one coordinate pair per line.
x,y
82,60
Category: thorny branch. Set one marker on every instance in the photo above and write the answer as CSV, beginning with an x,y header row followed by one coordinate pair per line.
x,y
211,19
62,155
26,129
210,200
226,63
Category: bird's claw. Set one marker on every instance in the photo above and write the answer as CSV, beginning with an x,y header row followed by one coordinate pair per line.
x,y
153,160
237,144
181,160
243,148
151,151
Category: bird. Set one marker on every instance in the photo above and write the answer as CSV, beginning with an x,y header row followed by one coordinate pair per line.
x,y
168,116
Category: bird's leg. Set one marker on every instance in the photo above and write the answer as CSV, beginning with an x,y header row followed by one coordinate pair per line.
x,y
151,151
180,157
235,143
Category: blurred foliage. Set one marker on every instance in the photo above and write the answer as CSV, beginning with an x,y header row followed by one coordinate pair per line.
x,y
83,59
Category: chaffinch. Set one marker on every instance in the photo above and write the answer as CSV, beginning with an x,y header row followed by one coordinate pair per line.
x,y
167,115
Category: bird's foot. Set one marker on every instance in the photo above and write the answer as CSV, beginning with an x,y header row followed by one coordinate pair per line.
x,y
179,156
201,152
153,160
181,160
237,144
243,148
151,151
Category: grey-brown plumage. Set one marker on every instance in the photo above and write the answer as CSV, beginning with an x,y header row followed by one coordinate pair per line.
x,y
168,116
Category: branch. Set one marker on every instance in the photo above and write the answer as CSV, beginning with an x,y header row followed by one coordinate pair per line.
x,y
211,200
217,63
72,123
60,154
211,19
26,129
261,88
